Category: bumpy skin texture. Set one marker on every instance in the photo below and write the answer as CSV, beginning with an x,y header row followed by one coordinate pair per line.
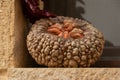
x,y
54,51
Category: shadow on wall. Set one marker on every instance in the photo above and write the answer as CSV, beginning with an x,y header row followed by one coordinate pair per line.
x,y
66,7
108,44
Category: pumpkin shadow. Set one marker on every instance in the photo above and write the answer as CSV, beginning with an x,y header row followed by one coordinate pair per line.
x,y
108,43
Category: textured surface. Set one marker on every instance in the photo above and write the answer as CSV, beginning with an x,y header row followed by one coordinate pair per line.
x,y
12,35
6,36
64,51
64,74
6,32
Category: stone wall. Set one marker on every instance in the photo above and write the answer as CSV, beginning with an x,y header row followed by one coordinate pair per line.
x,y
12,43
13,51
7,14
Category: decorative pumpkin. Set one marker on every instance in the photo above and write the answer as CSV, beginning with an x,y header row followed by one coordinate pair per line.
x,y
65,42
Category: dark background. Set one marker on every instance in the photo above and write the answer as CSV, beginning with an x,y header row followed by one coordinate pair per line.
x,y
104,14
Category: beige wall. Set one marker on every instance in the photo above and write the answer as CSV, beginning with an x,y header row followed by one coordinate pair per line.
x,y
7,14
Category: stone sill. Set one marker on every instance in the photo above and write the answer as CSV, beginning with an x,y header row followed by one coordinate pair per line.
x,y
63,74
60,74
